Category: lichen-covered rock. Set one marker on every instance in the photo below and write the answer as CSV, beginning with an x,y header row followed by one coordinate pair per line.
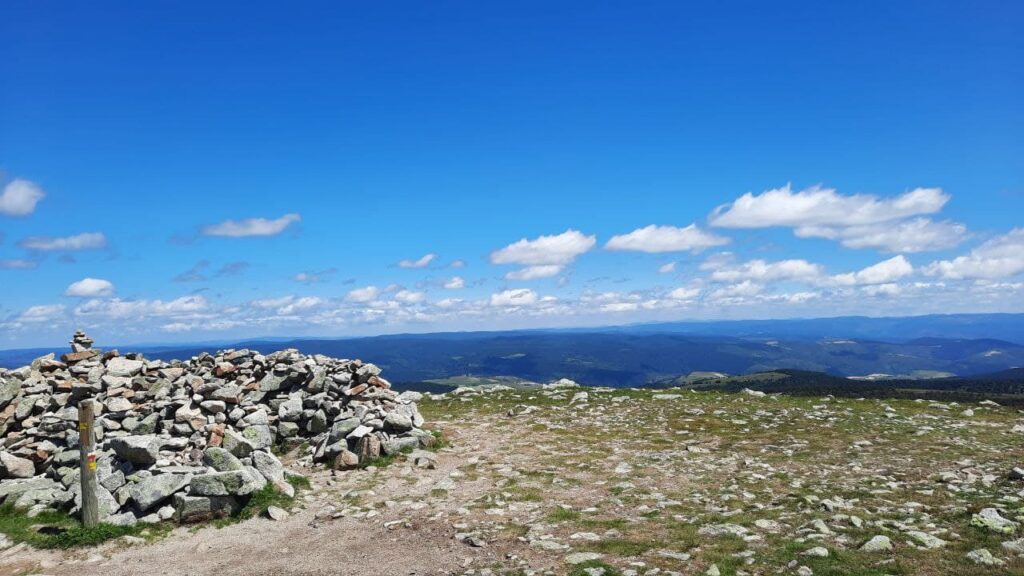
x,y
151,491
221,460
235,483
877,544
990,519
202,508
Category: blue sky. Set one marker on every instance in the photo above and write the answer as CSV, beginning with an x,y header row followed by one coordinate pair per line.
x,y
187,171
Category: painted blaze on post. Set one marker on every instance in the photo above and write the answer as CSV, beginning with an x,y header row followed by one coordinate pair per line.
x,y
87,463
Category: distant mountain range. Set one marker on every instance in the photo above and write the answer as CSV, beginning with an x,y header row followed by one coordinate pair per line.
x,y
912,347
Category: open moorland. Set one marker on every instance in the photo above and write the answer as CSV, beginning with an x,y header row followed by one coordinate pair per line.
x,y
568,480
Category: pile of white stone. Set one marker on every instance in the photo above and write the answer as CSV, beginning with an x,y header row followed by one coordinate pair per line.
x,y
190,440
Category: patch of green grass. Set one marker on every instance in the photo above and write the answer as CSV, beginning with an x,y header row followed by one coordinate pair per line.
x,y
581,569
263,499
563,515
604,523
385,460
52,530
298,482
440,441
622,546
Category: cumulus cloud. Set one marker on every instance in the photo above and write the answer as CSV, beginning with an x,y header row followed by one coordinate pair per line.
x,y
19,198
656,239
817,206
667,268
534,272
18,264
299,305
761,270
684,293
90,288
363,294
544,256
457,264
270,303
888,289
86,241
999,257
884,272
455,283
118,309
559,249
737,292
915,235
250,227
515,297
423,262
410,297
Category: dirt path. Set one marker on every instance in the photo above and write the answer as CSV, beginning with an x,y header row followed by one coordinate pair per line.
x,y
401,536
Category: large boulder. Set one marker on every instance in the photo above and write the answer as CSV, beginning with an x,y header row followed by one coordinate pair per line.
x,y
202,508
124,367
143,449
151,491
12,466
235,483
8,391
237,444
221,460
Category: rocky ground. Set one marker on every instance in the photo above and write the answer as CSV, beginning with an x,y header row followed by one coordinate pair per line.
x,y
594,481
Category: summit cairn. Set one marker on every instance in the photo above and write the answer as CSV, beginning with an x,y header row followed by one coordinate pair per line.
x,y
81,348
190,439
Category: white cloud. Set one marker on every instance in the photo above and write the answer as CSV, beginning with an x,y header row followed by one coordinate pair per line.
x,y
818,206
882,273
667,268
457,264
999,257
90,288
657,239
363,294
766,271
534,272
889,289
560,249
250,227
86,241
742,290
515,297
299,305
423,262
684,293
455,283
915,235
116,308
270,303
799,297
409,297
620,307
43,313
18,264
19,198
544,256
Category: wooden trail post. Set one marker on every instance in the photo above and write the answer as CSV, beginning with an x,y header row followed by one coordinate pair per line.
x,y
87,463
